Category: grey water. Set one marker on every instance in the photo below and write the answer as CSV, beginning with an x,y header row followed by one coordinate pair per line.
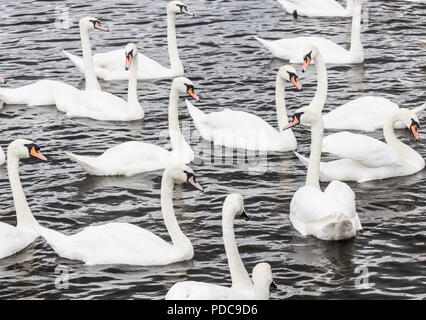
x,y
230,69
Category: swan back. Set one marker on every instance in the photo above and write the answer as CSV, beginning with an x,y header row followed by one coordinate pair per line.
x,y
262,280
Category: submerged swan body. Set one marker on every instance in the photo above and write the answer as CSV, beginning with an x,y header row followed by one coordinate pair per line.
x,y
14,239
242,286
125,243
108,65
133,157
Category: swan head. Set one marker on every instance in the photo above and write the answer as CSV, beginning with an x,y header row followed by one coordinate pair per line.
x,y
409,118
262,278
288,73
131,51
91,23
183,174
310,52
304,116
178,7
23,149
184,85
2,80
235,203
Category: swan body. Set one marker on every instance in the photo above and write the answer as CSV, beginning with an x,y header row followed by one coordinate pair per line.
x,y
108,65
292,49
317,8
366,113
14,239
2,155
125,243
135,157
242,286
329,215
239,129
363,158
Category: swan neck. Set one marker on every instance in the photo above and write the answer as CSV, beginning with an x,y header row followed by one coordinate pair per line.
x,y
322,84
261,292
317,132
132,93
89,68
178,237
350,6
175,62
24,216
356,49
389,133
280,103
239,275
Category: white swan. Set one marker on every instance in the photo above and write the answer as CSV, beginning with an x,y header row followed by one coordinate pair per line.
x,y
363,158
292,49
125,243
42,92
135,157
366,113
317,8
14,239
242,286
108,65
328,215
239,129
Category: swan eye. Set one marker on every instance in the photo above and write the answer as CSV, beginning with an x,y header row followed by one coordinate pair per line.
x,y
307,56
415,123
130,53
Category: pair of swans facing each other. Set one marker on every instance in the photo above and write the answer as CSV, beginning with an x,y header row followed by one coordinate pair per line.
x,y
91,102
112,243
108,66
317,8
291,49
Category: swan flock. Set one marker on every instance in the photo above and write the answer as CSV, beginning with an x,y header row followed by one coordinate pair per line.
x,y
328,214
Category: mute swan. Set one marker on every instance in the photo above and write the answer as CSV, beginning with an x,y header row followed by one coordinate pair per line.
x,y
135,157
108,65
317,8
365,113
125,243
363,158
292,49
42,92
328,215
2,155
14,239
242,286
239,129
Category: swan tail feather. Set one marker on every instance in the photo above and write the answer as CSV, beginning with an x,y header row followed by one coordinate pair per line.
x,y
302,159
86,162
75,59
420,109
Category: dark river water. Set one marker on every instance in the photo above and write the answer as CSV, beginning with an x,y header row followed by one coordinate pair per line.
x,y
229,69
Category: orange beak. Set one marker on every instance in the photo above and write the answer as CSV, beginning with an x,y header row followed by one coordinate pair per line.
x,y
293,123
415,131
128,63
2,80
196,185
306,64
37,154
100,27
193,94
296,83
187,12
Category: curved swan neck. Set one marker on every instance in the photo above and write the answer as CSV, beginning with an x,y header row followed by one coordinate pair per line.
x,y
240,277
132,93
89,68
175,63
24,215
357,49
280,103
178,237
178,142
320,97
389,133
317,132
